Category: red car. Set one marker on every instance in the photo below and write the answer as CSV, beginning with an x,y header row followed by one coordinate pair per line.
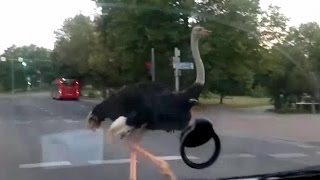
x,y
65,89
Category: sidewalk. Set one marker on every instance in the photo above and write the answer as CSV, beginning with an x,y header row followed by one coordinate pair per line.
x,y
262,124
91,100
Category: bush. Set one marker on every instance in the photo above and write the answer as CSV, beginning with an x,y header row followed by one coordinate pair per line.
x,y
2,88
207,94
259,91
288,110
91,94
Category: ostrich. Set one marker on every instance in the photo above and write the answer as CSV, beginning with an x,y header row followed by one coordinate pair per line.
x,y
150,106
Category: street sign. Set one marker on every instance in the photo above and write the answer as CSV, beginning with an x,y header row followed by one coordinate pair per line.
x,y
175,60
183,65
3,59
176,52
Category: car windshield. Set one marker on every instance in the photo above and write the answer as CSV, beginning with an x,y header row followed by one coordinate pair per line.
x,y
68,81
158,89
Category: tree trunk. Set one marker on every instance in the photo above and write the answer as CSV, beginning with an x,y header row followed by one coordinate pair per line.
x,y
103,92
315,83
221,98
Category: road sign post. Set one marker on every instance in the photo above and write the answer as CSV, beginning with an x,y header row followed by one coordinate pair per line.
x,y
153,74
178,66
12,77
23,63
3,59
176,60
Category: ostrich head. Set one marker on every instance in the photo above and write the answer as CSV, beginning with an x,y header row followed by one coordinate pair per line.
x,y
200,32
95,117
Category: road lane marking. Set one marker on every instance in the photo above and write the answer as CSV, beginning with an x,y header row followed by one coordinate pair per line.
x,y
70,121
240,155
123,161
166,158
45,164
304,146
83,106
172,158
22,122
271,140
293,143
115,161
50,121
288,155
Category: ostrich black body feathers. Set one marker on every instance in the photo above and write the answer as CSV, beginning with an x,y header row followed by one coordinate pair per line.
x,y
151,104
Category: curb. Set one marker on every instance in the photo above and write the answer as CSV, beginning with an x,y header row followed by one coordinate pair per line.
x,y
91,100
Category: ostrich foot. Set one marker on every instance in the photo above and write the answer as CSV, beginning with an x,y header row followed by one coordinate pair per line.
x,y
166,171
163,165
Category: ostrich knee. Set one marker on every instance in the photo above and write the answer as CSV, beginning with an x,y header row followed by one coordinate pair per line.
x,y
118,127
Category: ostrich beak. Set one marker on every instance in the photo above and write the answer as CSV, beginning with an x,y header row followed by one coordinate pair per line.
x,y
206,32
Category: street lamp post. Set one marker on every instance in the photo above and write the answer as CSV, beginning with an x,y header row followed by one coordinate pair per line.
x,y
12,77
20,59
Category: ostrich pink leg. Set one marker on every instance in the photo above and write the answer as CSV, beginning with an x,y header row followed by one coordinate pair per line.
x,y
164,166
133,165
134,138
133,142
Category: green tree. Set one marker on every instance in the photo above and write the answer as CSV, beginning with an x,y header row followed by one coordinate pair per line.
x,y
73,46
131,29
37,66
273,31
233,49
234,54
297,59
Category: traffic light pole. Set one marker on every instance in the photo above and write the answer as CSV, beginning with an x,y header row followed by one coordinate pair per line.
x,y
12,77
177,72
21,60
152,65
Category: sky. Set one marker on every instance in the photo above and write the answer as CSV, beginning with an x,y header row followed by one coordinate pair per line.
x,y
25,22
299,11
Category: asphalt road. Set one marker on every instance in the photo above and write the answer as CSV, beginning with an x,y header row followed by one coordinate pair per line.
x,y
41,138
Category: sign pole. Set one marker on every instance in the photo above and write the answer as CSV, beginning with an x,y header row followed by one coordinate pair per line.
x,y
178,66
12,77
153,65
176,60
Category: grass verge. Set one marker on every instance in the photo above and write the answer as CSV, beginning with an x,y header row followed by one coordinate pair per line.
x,y
237,101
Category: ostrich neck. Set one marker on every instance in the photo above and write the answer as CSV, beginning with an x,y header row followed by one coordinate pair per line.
x,y
195,90
200,78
